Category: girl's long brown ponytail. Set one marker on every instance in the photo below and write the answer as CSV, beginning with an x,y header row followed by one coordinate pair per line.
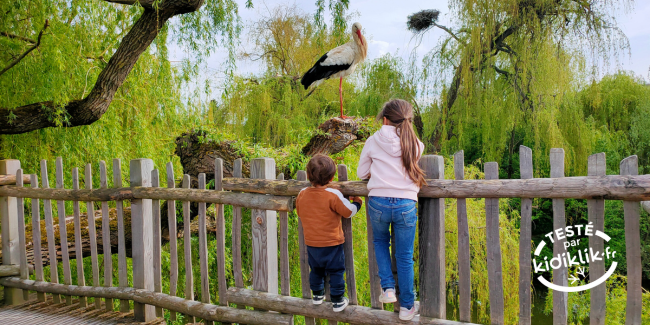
x,y
400,114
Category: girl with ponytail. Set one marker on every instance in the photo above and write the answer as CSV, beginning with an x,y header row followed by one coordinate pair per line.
x,y
390,160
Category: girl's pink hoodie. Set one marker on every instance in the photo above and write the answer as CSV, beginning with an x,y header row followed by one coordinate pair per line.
x,y
381,160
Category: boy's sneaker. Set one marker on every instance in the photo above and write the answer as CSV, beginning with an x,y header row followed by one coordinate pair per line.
x,y
317,298
388,296
340,305
408,314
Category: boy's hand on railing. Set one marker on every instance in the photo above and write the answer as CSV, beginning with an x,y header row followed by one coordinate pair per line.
x,y
356,199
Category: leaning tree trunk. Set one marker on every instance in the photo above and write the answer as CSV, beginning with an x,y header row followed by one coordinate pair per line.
x,y
335,135
88,110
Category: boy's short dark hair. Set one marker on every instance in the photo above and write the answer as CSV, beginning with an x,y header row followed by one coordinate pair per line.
x,y
320,169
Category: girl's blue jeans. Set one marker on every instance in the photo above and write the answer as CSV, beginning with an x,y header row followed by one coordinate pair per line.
x,y
401,214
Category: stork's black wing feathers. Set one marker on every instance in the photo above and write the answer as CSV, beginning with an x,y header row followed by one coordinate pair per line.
x,y
320,71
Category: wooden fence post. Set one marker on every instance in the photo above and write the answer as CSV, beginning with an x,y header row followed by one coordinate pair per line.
x,y
157,240
464,269
9,215
301,175
142,237
526,172
630,166
106,235
187,250
121,240
285,282
220,235
81,279
236,234
265,235
597,166
49,232
560,275
432,244
493,244
348,246
63,234
22,246
173,242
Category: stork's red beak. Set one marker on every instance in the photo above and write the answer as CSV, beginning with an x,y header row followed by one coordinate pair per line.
x,y
360,38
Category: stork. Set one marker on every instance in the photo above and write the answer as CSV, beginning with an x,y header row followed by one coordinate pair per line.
x,y
339,62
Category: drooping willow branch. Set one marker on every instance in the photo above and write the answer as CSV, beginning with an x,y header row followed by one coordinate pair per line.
x,y
22,56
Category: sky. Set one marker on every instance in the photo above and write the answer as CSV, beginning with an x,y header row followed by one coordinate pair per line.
x,y
384,25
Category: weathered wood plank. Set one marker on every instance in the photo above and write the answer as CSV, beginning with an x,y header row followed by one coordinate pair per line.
x,y
285,287
173,239
121,239
221,236
432,244
9,220
22,246
495,275
373,269
49,230
265,234
612,187
157,240
196,309
464,270
92,232
187,248
106,235
63,234
525,238
142,237
348,247
596,166
11,269
236,234
255,201
630,166
203,248
560,275
11,180
301,175
81,279
352,314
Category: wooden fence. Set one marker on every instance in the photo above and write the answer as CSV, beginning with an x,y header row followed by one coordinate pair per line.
x,y
267,196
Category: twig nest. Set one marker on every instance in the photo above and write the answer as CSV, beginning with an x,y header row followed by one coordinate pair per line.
x,y
422,20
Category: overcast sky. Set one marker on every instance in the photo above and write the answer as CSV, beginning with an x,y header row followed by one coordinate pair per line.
x,y
384,24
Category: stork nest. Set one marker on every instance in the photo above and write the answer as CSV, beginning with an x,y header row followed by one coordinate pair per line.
x,y
421,21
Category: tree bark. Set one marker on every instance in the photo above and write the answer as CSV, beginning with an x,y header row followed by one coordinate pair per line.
x,y
335,135
90,109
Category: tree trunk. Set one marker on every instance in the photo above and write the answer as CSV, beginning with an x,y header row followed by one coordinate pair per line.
x,y
335,135
90,109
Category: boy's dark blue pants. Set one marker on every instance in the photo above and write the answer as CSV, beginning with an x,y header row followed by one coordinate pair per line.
x,y
323,261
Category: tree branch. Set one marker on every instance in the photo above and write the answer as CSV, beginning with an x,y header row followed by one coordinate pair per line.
x,y
450,33
22,56
22,38
90,109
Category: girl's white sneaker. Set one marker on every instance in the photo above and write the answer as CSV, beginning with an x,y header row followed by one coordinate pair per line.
x,y
408,314
388,296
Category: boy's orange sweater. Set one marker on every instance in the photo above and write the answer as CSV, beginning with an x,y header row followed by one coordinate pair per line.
x,y
320,210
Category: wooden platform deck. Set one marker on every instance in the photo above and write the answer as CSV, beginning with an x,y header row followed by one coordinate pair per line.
x,y
49,313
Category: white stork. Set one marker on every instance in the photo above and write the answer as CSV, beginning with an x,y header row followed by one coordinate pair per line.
x,y
338,63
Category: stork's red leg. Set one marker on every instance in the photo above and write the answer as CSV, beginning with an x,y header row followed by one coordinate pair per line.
x,y
341,97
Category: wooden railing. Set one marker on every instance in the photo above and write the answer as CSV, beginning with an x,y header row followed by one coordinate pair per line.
x,y
265,194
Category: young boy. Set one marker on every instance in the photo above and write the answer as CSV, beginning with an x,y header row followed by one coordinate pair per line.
x,y
320,209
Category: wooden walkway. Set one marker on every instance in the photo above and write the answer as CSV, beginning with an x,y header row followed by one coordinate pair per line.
x,y
49,313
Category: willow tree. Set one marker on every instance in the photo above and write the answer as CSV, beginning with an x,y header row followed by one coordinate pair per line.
x,y
506,70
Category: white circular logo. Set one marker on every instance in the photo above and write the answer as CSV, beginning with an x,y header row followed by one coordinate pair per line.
x,y
567,259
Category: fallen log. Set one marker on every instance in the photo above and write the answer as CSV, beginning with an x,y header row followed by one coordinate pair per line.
x,y
630,188
181,305
352,314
